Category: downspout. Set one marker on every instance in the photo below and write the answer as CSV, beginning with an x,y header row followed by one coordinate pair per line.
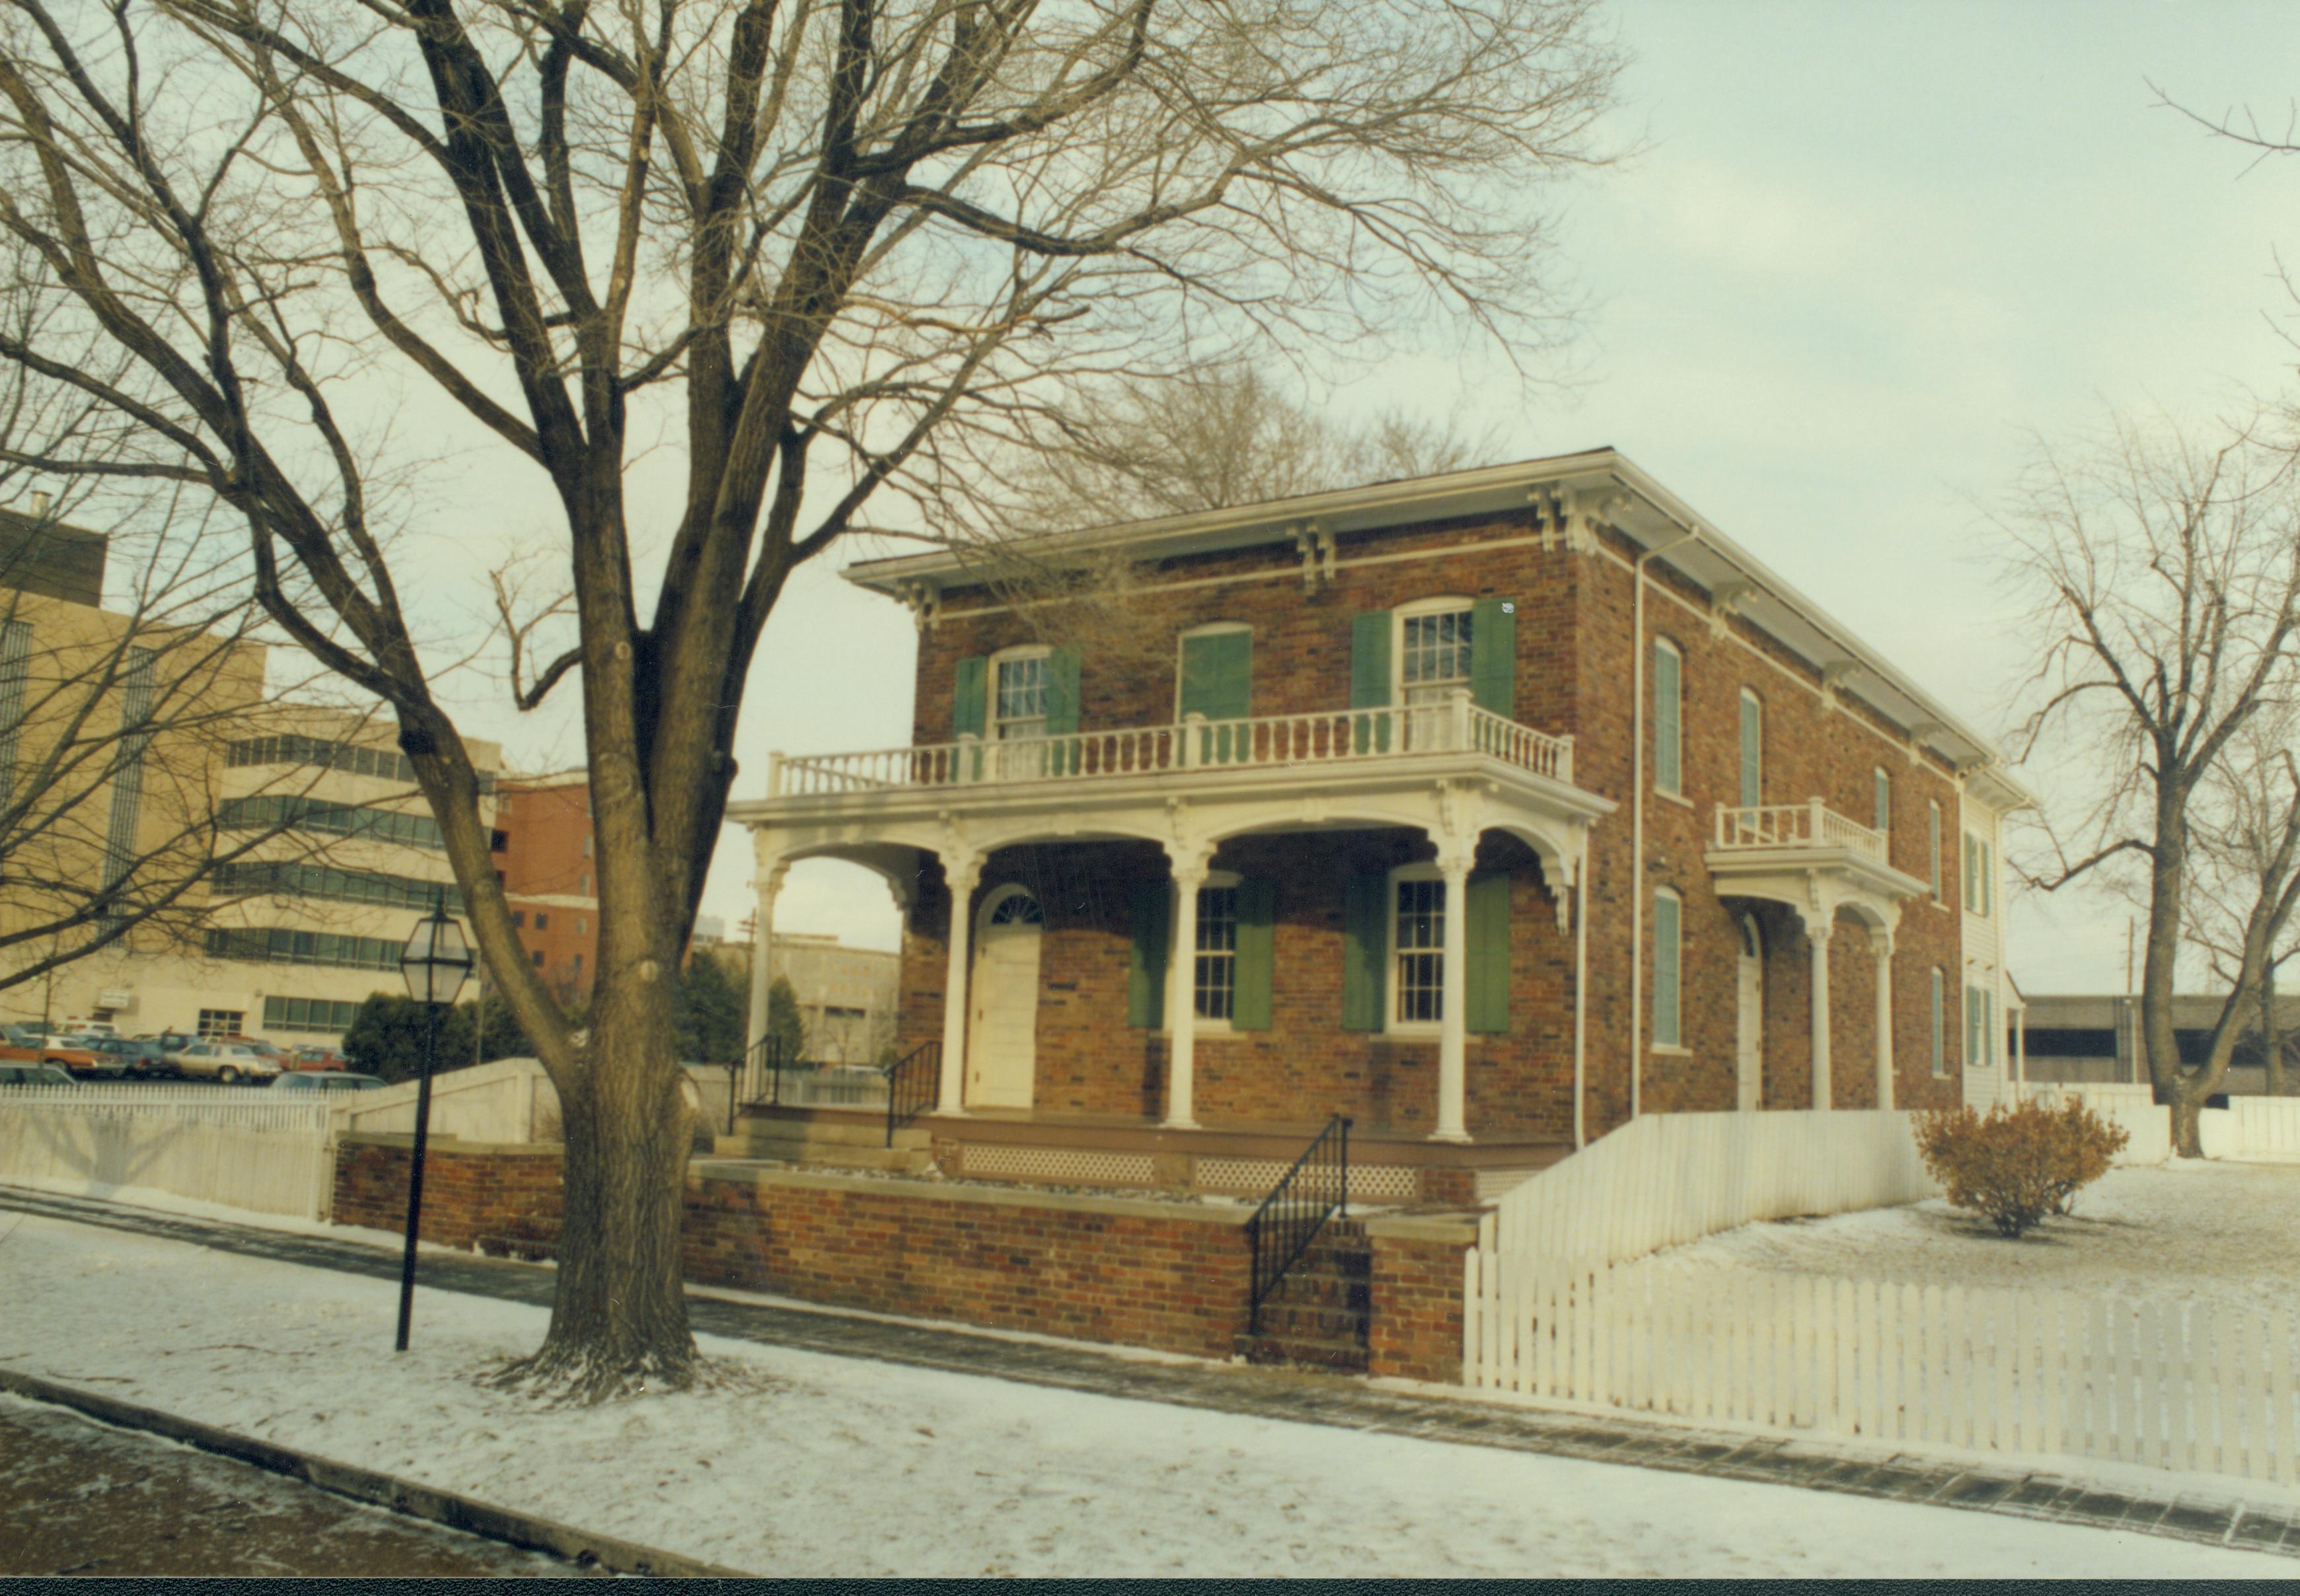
x,y
1637,826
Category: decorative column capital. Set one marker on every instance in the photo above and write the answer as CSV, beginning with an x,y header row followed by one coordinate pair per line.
x,y
1880,944
963,870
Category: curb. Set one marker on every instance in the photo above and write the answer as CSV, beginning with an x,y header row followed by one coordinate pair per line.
x,y
526,1531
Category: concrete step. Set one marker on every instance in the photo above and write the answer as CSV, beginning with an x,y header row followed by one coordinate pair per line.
x,y
1339,1356
830,1132
1305,1321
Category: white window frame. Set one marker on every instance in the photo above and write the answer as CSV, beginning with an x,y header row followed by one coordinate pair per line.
x,y
1212,628
1392,988
1675,1047
1419,608
1880,788
1662,646
1940,1024
1749,696
1933,809
1216,880
991,723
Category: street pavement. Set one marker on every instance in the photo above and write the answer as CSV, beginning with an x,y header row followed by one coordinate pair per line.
x,y
83,1498
1297,1396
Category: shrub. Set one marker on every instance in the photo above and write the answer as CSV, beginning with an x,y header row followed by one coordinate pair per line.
x,y
2016,1166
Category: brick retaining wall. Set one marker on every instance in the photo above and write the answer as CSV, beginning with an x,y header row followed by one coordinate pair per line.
x,y
1174,1276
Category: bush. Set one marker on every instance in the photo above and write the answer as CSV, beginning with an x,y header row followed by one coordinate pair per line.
x,y
2017,1166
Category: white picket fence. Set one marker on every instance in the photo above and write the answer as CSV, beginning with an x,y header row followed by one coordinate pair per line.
x,y
2252,1127
2193,1387
271,1154
1664,1179
2147,1127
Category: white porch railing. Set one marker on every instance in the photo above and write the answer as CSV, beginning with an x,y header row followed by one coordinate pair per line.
x,y
1809,825
1454,727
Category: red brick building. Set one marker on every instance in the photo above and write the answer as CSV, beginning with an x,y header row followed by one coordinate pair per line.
x,y
545,825
1489,808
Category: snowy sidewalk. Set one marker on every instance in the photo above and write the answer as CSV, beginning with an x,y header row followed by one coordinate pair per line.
x,y
1116,1463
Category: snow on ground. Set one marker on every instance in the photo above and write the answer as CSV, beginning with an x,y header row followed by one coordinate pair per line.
x,y
2187,1231
804,1464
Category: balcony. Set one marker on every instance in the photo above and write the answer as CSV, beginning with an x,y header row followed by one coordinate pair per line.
x,y
1810,857
1291,743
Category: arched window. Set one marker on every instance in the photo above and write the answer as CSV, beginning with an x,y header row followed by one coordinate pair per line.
x,y
1668,714
1752,750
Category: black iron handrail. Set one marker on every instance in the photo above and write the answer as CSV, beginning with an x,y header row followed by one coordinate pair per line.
x,y
769,1056
1316,1189
912,1082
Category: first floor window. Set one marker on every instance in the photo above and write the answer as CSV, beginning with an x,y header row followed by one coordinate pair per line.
x,y
1420,945
1216,979
1940,1022
1668,947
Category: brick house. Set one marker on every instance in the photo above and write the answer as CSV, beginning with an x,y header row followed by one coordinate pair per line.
x,y
1489,808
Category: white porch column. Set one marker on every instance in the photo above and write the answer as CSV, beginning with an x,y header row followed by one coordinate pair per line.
x,y
1453,1015
1182,989
1883,943
1817,932
963,871
768,884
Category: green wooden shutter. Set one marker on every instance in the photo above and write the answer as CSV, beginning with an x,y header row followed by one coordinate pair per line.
x,y
1062,707
1669,765
1150,911
1933,816
1940,1006
969,698
1753,751
1365,939
1257,917
1493,656
1218,683
1370,676
1666,1028
1487,929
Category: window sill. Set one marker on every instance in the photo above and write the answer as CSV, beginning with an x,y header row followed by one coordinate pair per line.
x,y
1661,1052
1416,1032
1673,797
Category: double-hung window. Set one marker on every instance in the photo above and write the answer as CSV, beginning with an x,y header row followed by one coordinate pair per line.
x,y
1976,875
1883,804
1418,950
1752,750
1933,819
1668,1027
1017,697
1668,714
1433,652
1214,981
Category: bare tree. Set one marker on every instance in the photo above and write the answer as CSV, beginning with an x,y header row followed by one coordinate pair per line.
x,y
835,251
2241,886
2165,574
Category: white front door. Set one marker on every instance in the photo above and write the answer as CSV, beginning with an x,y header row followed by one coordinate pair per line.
x,y
1002,1033
1750,1052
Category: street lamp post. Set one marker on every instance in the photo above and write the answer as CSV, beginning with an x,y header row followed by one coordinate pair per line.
x,y
434,964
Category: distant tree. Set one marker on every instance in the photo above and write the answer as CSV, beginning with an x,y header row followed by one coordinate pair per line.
x,y
386,1037
707,1012
784,1023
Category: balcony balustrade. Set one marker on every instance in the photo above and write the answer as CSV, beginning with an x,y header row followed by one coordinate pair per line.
x,y
1810,825
1454,726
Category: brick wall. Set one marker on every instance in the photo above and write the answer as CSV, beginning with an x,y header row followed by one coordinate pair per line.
x,y
501,1199
1415,1333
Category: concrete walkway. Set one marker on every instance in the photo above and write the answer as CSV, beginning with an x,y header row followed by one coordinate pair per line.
x,y
1271,1393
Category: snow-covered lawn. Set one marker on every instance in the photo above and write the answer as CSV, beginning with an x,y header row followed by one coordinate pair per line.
x,y
2186,1231
803,1464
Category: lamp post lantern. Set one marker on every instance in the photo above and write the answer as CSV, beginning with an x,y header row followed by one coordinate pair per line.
x,y
434,964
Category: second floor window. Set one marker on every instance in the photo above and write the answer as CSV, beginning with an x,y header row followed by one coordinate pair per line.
x,y
1883,821
1667,710
1976,875
1018,706
1752,750
1433,652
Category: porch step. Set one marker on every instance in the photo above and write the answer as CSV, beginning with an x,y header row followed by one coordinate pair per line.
x,y
1320,1313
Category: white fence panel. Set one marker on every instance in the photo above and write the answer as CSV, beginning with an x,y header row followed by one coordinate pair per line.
x,y
265,1155
2253,1127
2147,1127
1670,1178
504,1101
2190,1387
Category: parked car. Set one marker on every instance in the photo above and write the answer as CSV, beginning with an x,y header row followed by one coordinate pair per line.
x,y
34,1074
334,1080
317,1058
101,1059
225,1062
79,1061
138,1055
270,1050
24,1034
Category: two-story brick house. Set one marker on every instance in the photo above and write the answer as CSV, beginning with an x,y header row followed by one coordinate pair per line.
x,y
1489,809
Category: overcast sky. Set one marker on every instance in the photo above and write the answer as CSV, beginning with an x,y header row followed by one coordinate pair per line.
x,y
1868,249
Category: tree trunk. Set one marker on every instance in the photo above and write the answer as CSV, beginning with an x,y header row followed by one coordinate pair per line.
x,y
2272,1040
2161,954
2188,1100
619,1317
